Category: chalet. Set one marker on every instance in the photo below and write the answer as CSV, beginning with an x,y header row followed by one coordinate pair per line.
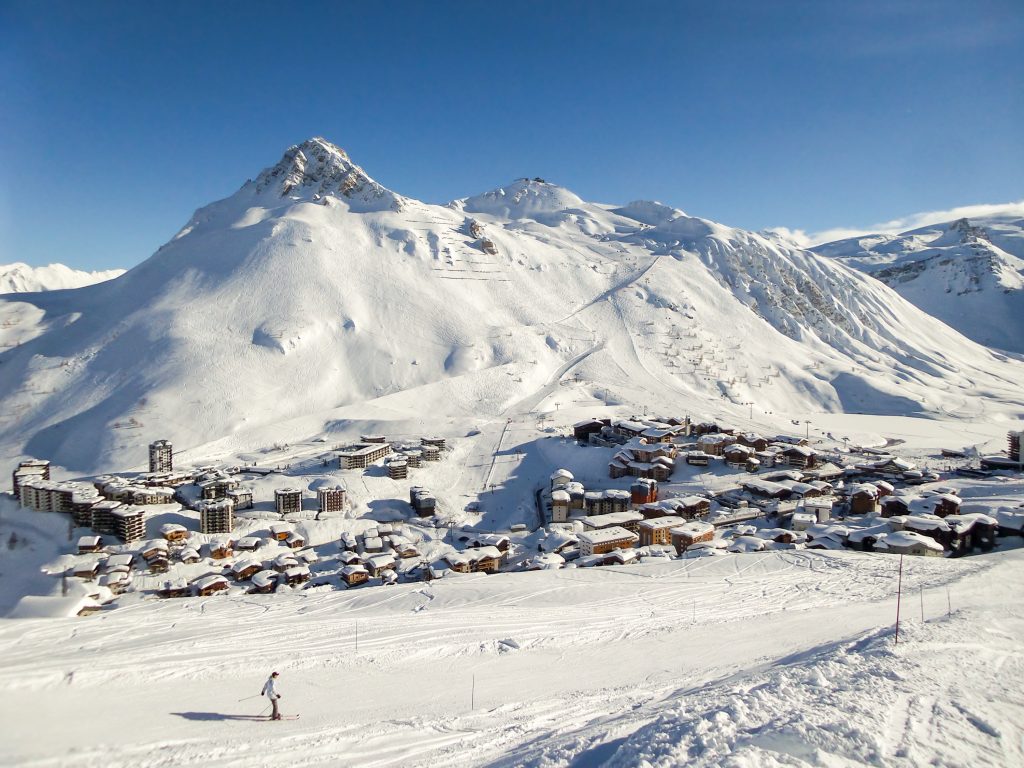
x,y
502,542
629,429
158,564
174,533
283,562
596,542
686,507
704,428
248,544
348,541
643,491
210,585
487,559
1011,521
353,575
908,543
864,538
561,478
372,543
714,444
982,528
116,581
752,440
377,563
174,588
295,540
245,568
88,544
86,569
766,458
746,544
189,556
656,530
800,456
362,455
309,557
221,549
487,246
737,455
687,534
154,548
287,500
627,519
297,574
406,550
264,581
546,561
281,531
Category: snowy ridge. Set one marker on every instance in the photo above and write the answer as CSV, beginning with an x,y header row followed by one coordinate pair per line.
x,y
22,278
314,298
968,273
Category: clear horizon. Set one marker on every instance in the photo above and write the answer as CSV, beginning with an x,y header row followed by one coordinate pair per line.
x,y
122,120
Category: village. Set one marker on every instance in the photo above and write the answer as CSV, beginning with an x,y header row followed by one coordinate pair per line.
x,y
674,488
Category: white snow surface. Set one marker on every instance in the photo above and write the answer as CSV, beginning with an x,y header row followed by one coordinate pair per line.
x,y
969,273
616,666
315,300
22,278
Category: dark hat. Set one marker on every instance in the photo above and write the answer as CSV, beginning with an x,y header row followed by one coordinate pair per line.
x,y
273,674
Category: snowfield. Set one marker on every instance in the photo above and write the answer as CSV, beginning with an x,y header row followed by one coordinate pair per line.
x,y
781,658
314,297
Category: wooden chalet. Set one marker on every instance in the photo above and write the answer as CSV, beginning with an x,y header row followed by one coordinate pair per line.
x,y
283,562
354,574
174,533
297,574
210,585
189,555
221,549
374,564
263,582
245,568
87,544
176,588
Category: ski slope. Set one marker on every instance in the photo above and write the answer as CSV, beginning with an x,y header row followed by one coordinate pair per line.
x,y
771,658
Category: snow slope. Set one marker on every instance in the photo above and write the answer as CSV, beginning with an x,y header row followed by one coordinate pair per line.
x,y
21,278
315,298
781,658
967,273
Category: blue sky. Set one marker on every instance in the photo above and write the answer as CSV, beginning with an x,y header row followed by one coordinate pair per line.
x,y
120,119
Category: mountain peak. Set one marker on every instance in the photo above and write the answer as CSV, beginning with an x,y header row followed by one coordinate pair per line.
x,y
523,198
317,168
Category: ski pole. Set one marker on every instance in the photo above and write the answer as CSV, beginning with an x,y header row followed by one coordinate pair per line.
x,y
251,697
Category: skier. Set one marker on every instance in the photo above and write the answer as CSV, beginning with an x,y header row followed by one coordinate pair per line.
x,y
270,691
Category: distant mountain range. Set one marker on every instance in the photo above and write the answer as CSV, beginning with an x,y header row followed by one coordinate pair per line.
x,y
967,273
20,278
314,297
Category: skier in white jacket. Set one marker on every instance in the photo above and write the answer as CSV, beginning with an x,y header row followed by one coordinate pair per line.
x,y
270,691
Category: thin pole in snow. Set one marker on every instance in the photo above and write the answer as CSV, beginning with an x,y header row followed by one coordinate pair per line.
x,y
899,591
922,604
949,603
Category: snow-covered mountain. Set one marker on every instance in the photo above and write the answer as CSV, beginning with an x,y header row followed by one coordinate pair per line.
x,y
315,297
967,273
21,278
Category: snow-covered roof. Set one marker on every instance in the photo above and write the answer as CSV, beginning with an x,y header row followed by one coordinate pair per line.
x,y
657,523
692,528
606,535
907,539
